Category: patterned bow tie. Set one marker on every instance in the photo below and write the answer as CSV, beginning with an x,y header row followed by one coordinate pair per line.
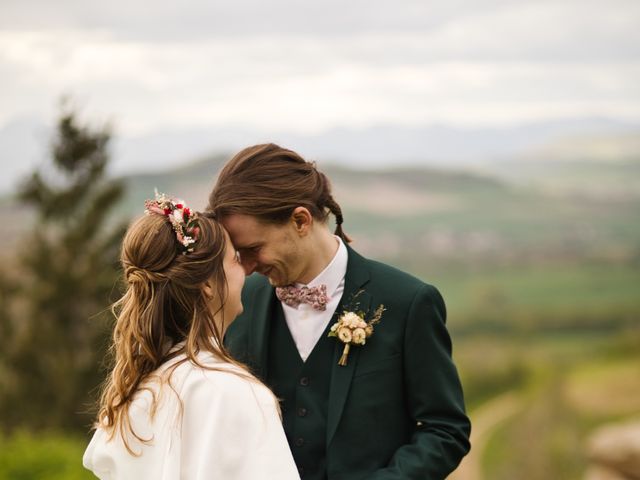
x,y
294,296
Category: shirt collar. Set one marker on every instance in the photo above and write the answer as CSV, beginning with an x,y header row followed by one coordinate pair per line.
x,y
333,273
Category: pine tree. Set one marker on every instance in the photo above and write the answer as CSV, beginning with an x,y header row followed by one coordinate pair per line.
x,y
66,273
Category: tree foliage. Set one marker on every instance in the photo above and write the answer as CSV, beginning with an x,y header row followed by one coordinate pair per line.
x,y
55,328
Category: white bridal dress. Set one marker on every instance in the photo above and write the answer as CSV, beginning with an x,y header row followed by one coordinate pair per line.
x,y
227,428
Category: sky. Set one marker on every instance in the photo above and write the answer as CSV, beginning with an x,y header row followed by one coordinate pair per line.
x,y
309,67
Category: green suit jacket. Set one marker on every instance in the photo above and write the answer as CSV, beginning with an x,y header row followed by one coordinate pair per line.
x,y
396,410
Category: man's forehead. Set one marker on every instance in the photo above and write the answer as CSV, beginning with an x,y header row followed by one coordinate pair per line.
x,y
243,229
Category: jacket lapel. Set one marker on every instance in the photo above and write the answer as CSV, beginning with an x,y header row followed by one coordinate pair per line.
x,y
357,276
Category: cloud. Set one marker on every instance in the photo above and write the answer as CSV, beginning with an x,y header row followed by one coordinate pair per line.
x,y
167,20
281,67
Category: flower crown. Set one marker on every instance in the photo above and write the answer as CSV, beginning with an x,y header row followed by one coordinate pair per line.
x,y
182,219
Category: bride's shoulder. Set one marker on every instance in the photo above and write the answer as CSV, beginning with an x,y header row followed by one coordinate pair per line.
x,y
218,379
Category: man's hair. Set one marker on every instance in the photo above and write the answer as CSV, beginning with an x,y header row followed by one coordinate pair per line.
x,y
269,182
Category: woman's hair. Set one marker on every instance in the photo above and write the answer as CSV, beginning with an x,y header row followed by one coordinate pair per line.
x,y
268,182
164,304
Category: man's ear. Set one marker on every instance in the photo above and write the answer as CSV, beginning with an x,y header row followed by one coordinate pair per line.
x,y
302,220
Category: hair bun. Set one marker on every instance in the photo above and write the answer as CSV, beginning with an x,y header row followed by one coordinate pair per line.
x,y
135,275
140,275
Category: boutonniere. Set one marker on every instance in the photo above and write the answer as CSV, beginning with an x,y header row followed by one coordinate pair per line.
x,y
353,328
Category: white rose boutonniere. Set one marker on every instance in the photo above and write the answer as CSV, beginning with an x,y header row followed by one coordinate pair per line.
x,y
353,328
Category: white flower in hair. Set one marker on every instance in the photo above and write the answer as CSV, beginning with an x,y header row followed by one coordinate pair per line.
x,y
177,216
188,241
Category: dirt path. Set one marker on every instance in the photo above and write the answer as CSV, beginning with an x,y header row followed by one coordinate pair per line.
x,y
484,420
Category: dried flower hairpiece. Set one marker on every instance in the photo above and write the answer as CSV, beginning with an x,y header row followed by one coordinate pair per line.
x,y
182,219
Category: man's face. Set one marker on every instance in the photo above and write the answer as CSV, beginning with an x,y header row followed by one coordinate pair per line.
x,y
272,250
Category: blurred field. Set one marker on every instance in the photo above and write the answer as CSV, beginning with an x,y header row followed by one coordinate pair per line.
x,y
560,401
51,456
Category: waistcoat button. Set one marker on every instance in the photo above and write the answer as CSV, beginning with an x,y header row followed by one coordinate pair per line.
x,y
302,412
304,381
299,442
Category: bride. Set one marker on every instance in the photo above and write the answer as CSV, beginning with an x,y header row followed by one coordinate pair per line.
x,y
176,405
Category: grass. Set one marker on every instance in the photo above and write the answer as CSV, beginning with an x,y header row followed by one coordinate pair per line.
x,y
49,456
605,387
574,386
550,295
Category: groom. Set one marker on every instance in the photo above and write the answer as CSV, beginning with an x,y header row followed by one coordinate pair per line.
x,y
395,410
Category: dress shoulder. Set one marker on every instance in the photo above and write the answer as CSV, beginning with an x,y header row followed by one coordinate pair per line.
x,y
223,387
231,426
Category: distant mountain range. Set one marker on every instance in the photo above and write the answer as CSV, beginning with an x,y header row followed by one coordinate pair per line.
x,y
24,142
448,216
567,198
427,219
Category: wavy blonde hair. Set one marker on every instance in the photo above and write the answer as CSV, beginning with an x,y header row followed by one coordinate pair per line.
x,y
164,304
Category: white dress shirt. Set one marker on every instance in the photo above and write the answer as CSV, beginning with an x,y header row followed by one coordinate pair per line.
x,y
217,425
307,324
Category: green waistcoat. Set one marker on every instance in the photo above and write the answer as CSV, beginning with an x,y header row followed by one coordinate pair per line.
x,y
303,388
